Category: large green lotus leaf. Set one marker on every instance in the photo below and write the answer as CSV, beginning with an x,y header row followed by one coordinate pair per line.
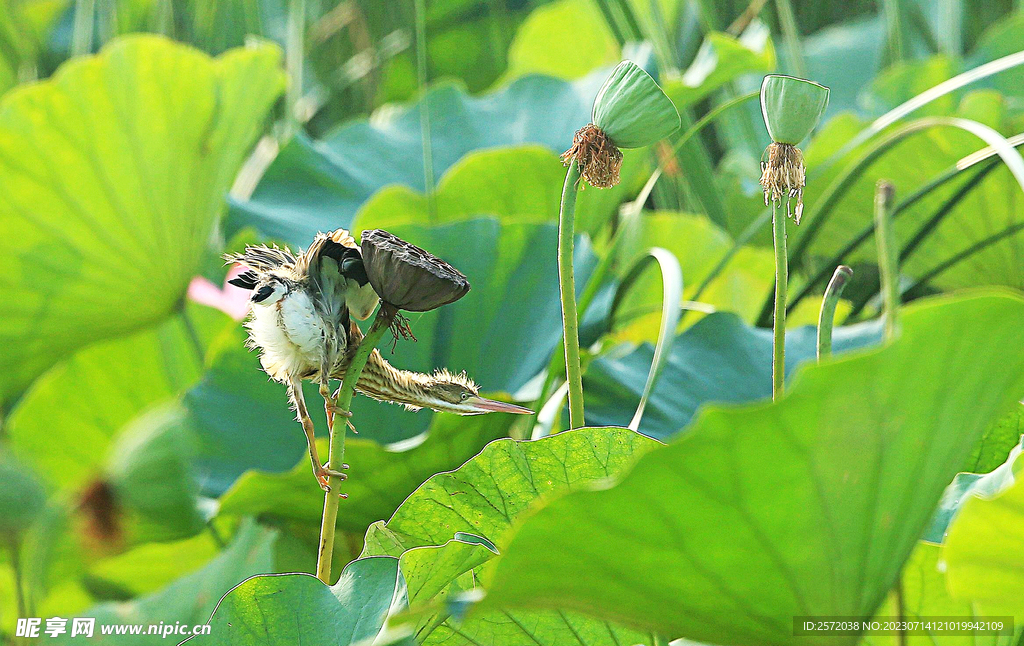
x,y
997,443
984,550
1001,39
288,609
805,506
245,421
66,423
151,566
484,498
967,485
436,576
516,185
845,57
486,494
114,174
320,185
990,208
548,42
924,595
149,471
379,479
192,598
719,359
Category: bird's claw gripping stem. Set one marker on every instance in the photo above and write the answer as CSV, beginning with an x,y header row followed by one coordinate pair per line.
x,y
323,473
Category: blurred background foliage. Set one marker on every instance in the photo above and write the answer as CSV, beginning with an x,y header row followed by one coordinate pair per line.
x,y
147,465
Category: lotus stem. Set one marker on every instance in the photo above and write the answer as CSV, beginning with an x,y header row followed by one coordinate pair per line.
x,y
888,261
781,279
567,288
827,315
343,399
82,23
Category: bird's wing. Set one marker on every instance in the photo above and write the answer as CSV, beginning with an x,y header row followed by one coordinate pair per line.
x,y
262,258
337,253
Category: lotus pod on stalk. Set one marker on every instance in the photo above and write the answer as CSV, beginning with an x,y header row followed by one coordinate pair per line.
x,y
408,277
791,108
631,111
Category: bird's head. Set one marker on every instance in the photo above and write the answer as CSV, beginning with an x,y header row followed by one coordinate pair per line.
x,y
268,291
456,393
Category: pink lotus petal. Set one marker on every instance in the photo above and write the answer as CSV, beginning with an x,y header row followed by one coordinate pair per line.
x,y
233,301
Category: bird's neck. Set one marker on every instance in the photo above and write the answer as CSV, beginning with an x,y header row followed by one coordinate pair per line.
x,y
384,382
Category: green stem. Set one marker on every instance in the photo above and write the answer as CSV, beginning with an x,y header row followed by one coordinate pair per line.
x,y
19,584
385,315
781,279
422,78
888,262
81,34
567,287
294,55
894,24
597,278
193,336
827,315
791,37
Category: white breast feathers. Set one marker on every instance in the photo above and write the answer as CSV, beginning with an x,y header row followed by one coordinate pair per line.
x,y
291,335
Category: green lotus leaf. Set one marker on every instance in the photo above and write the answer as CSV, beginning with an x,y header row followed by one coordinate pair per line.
x,y
149,469
114,173
486,497
632,109
791,107
287,609
190,599
984,547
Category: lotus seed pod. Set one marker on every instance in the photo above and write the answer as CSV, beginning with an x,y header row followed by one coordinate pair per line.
x,y
791,107
407,277
632,109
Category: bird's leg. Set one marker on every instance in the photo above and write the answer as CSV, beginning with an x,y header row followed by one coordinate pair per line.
x,y
331,404
321,473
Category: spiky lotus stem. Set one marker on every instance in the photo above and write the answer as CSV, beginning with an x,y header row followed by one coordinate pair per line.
x,y
783,177
598,158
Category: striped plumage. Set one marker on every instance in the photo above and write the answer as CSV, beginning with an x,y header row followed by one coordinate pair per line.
x,y
301,322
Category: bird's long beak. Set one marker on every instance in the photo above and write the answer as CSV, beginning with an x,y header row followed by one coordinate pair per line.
x,y
485,405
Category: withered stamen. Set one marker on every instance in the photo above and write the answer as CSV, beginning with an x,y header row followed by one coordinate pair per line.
x,y
598,158
784,176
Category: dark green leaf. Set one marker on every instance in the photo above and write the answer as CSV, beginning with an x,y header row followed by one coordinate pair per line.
x,y
319,185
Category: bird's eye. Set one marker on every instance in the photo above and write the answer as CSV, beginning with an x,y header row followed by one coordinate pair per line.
x,y
465,396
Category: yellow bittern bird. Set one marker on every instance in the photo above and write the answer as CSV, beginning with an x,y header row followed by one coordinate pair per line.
x,y
301,322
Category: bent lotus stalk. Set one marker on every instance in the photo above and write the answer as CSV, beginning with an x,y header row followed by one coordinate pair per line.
x,y
826,317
